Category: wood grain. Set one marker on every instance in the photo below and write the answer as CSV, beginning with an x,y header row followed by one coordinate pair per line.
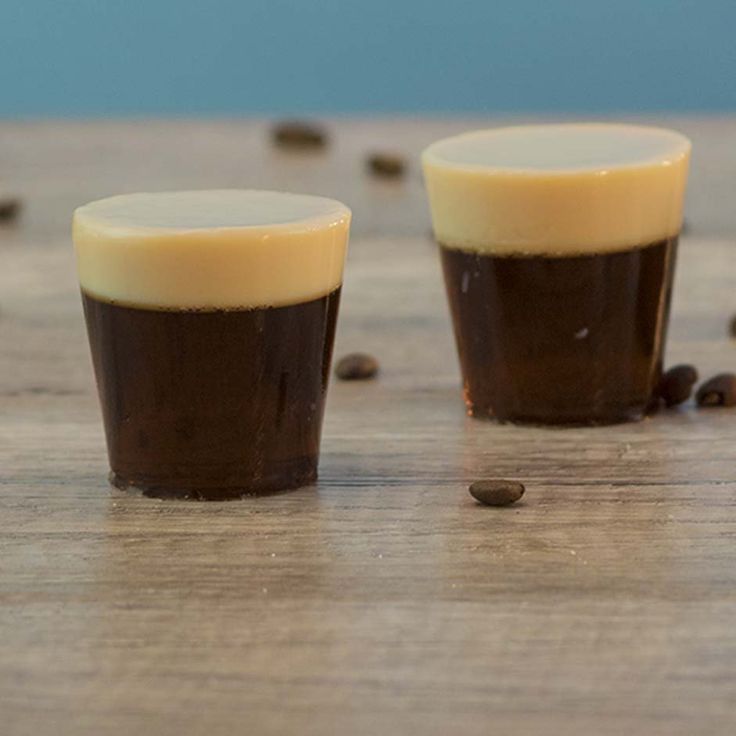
x,y
384,600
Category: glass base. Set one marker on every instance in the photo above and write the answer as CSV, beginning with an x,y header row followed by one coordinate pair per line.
x,y
163,490
603,419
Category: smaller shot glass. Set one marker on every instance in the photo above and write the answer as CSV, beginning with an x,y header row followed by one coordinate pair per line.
x,y
558,246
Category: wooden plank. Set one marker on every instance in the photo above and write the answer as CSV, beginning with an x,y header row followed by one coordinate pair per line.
x,y
384,600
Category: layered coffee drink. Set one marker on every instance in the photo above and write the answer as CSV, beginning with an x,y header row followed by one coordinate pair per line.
x,y
211,317
558,246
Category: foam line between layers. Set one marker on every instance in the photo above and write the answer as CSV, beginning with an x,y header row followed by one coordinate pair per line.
x,y
217,249
557,189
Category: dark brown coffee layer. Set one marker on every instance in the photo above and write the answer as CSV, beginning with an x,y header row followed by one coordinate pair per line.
x,y
212,404
561,340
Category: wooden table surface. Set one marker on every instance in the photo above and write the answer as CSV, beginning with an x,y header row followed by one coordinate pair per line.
x,y
383,601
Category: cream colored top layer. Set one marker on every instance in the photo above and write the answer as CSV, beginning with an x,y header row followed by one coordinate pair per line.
x,y
557,189
211,249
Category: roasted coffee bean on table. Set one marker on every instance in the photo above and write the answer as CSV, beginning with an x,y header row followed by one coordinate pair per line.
x,y
386,165
717,391
298,134
9,208
496,492
677,383
356,367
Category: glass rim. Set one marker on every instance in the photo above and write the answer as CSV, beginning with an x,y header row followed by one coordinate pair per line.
x,y
673,148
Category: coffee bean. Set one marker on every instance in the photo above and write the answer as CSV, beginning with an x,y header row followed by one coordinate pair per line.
x,y
718,391
732,326
496,492
356,367
386,165
9,208
298,134
677,383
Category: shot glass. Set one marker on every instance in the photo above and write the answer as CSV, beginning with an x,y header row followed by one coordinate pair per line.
x,y
558,246
211,317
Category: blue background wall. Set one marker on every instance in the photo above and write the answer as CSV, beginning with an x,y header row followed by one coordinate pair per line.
x,y
111,57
